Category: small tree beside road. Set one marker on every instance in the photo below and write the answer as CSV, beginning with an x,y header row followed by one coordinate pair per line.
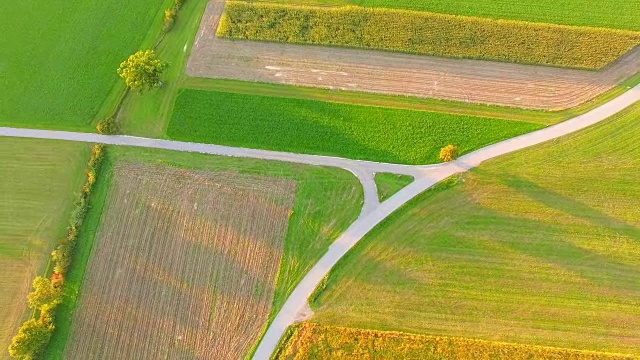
x,y
448,153
142,70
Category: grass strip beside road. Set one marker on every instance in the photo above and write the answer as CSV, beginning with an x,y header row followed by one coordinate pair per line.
x,y
427,33
312,341
388,184
321,128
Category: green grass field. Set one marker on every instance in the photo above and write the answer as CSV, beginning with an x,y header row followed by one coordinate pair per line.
x,y
389,184
60,57
38,180
617,14
327,201
315,127
537,247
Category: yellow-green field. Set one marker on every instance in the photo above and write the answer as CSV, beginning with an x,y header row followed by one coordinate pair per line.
x,y
38,180
427,33
538,247
313,341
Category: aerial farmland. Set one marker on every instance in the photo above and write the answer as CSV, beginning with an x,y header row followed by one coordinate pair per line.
x,y
320,179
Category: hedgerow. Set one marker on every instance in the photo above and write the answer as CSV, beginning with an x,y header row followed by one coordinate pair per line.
x,y
309,340
427,33
35,333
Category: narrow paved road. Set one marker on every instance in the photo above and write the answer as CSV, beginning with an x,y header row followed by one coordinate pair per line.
x,y
373,212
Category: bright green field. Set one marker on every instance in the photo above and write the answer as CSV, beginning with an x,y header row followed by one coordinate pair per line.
x,y
59,58
538,247
38,180
327,201
389,184
315,127
619,14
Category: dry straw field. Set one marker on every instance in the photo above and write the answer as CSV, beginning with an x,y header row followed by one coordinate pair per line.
x,y
184,266
427,33
312,341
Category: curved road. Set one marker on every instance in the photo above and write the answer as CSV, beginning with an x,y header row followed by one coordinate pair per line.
x,y
373,212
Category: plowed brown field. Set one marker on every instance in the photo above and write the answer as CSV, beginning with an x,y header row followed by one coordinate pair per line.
x,y
526,86
184,266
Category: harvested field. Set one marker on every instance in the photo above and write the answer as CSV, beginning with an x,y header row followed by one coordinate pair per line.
x,y
184,267
474,81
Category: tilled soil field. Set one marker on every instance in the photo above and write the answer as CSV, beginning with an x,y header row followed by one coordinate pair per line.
x,y
525,86
184,265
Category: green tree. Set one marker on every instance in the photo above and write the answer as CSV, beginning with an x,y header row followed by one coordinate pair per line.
x,y
43,293
32,336
142,70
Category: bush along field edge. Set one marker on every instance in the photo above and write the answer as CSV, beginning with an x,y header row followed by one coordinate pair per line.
x,y
311,340
427,33
34,334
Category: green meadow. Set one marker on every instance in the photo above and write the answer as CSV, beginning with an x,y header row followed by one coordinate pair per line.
x,y
321,128
60,58
539,247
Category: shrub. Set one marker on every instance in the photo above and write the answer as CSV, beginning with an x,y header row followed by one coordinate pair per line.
x,y
107,126
43,293
169,19
170,15
32,336
448,153
427,33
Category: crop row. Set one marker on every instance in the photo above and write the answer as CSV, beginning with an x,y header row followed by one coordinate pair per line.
x,y
427,33
184,265
313,341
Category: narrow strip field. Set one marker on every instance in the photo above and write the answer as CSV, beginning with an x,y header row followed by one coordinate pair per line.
x,y
472,81
316,127
185,265
616,14
38,182
539,247
312,341
427,33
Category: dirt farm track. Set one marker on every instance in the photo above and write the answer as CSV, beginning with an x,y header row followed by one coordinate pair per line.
x,y
526,86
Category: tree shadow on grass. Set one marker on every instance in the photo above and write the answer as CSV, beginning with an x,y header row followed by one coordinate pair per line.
x,y
597,268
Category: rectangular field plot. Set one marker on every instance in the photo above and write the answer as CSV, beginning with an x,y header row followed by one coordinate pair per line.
x,y
184,265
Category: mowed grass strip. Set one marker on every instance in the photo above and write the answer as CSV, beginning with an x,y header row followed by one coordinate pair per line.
x,y
388,184
38,179
537,247
185,265
616,14
313,341
59,58
321,128
427,33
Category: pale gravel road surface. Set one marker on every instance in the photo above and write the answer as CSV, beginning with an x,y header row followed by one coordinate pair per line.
x,y
373,212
